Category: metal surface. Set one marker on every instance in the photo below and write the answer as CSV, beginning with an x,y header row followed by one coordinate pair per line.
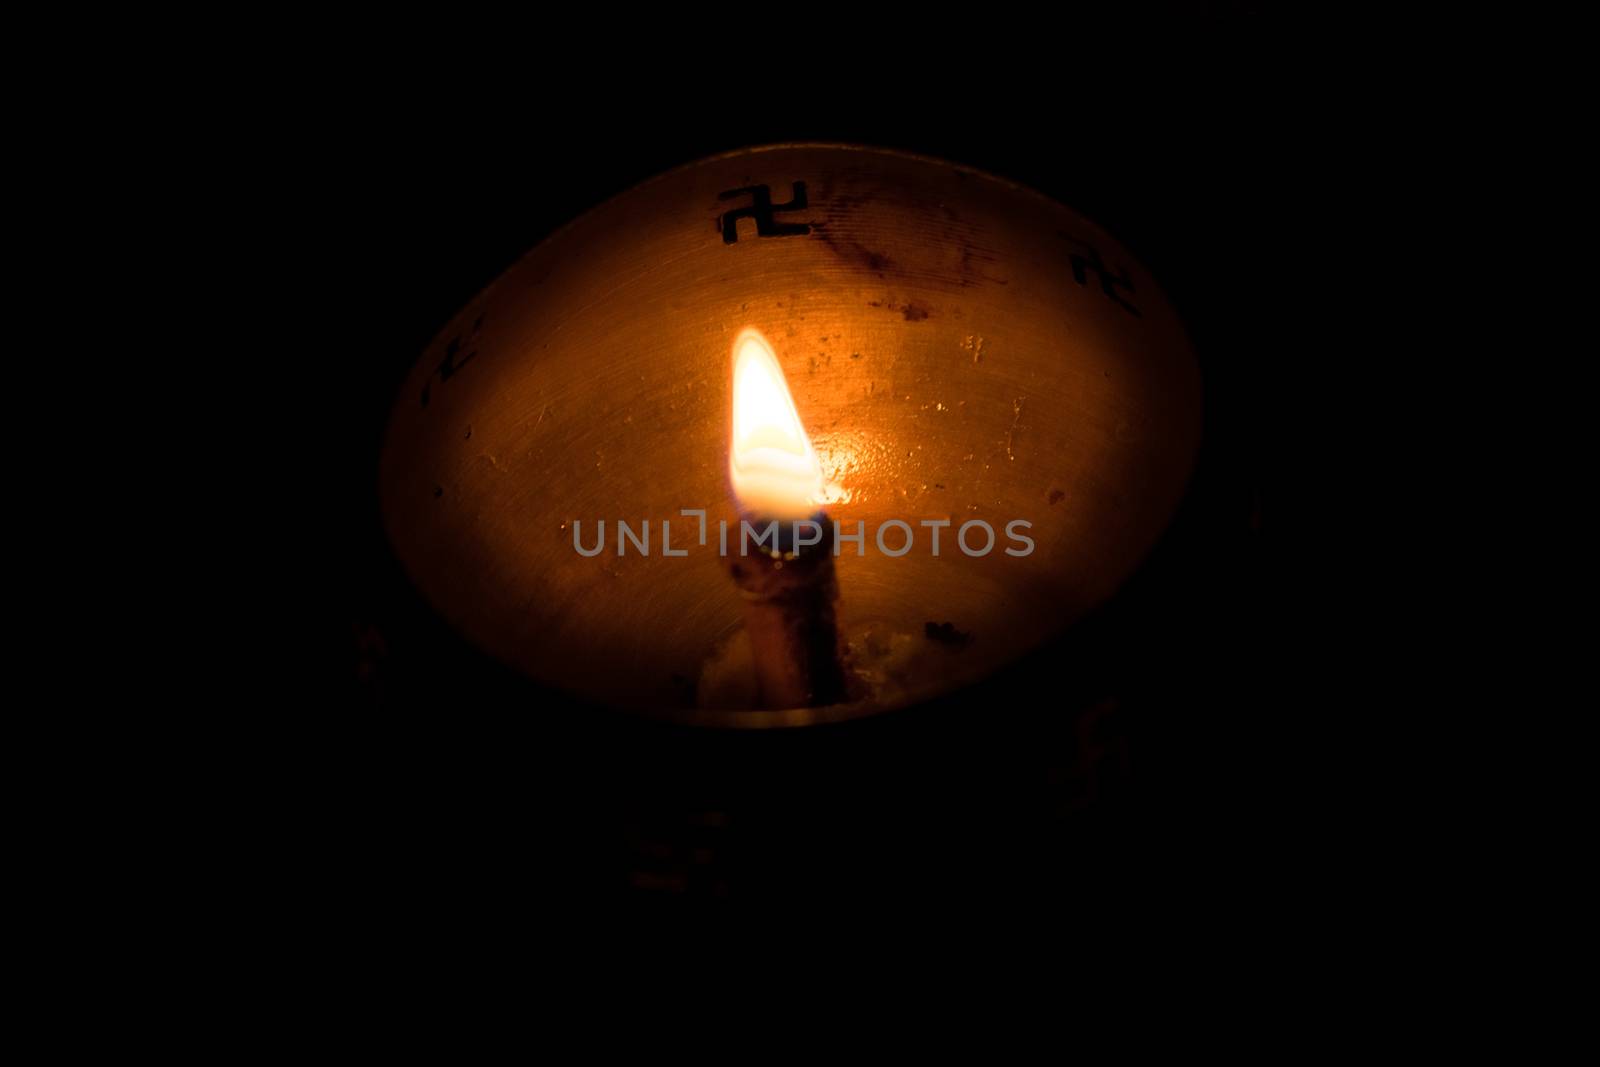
x,y
958,348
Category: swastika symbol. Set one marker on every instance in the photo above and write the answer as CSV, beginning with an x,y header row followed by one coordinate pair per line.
x,y
449,365
761,210
1082,264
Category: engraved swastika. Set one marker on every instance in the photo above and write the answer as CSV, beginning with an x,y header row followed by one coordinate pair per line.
x,y
761,210
449,365
1083,264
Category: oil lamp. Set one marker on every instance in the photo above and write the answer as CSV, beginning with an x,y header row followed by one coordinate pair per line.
x,y
788,587
790,435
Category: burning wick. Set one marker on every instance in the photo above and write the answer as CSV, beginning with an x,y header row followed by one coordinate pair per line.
x,y
789,589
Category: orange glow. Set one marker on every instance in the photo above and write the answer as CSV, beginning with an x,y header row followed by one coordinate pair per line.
x,y
771,464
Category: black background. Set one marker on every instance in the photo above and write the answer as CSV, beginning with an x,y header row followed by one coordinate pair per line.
x,y
1187,131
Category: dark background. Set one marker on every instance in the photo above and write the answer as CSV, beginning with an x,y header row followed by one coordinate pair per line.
x,y
1146,759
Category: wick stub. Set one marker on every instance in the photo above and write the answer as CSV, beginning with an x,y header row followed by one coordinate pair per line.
x,y
789,616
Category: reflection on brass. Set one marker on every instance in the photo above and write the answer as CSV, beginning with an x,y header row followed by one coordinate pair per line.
x,y
958,348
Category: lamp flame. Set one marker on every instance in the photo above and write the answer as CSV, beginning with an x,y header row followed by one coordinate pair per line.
x,y
771,464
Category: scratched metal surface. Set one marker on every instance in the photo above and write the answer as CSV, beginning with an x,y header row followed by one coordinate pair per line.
x,y
958,348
